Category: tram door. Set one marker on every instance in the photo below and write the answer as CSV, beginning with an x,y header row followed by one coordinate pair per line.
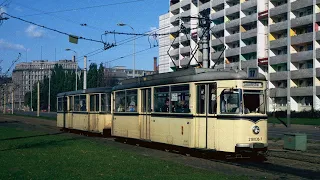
x,y
207,110
146,114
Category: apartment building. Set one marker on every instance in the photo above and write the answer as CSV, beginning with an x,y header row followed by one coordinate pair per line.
x,y
164,44
279,37
26,74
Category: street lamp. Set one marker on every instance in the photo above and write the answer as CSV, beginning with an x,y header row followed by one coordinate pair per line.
x,y
134,47
75,59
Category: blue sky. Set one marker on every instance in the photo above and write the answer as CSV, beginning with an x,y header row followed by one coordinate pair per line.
x,y
20,37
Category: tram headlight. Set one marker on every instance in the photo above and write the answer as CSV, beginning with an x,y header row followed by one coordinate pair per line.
x,y
256,130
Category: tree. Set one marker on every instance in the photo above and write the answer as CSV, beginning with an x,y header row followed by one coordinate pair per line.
x,y
101,78
92,76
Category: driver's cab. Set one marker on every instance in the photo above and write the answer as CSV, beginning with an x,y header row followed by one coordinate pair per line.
x,y
243,101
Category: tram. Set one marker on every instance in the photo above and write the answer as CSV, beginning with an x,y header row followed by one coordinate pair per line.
x,y
206,109
85,110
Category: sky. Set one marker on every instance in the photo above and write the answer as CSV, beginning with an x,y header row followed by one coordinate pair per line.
x,y
36,43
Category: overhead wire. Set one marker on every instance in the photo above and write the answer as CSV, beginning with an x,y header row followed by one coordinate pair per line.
x,y
82,8
55,30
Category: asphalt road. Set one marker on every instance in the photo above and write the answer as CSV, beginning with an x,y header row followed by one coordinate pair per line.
x,y
274,131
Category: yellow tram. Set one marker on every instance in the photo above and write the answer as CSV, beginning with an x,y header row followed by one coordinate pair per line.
x,y
194,108
85,110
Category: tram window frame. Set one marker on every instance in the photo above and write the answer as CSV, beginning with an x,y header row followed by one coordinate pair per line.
x,y
145,101
71,103
201,98
238,108
180,102
158,103
120,99
262,97
213,98
131,99
105,103
59,104
76,103
94,103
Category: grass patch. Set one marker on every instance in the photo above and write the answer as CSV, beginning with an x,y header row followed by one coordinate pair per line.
x,y
31,116
301,121
32,155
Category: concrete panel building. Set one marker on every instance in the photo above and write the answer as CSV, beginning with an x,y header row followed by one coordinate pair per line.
x,y
164,44
279,37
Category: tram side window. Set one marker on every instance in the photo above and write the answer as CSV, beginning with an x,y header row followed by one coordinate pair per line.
x,y
230,101
83,104
161,99
213,98
131,97
59,104
180,99
106,102
76,103
71,103
201,99
94,102
120,101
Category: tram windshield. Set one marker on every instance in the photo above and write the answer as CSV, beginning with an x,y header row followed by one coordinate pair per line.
x,y
233,102
230,101
254,101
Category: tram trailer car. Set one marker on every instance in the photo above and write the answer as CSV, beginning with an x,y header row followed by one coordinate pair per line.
x,y
85,110
203,109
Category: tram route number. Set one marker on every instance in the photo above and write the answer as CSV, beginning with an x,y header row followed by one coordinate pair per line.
x,y
255,139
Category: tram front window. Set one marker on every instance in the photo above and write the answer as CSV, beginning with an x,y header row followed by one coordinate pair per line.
x,y
254,101
230,101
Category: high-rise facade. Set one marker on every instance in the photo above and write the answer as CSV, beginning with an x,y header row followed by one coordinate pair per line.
x,y
164,43
279,37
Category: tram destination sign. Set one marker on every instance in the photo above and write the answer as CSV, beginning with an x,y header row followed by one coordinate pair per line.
x,y
253,84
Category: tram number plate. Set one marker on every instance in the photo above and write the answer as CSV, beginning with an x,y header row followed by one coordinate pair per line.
x,y
255,138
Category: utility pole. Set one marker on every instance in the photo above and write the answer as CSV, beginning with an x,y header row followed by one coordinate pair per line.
x,y
31,98
205,24
85,73
12,103
38,104
49,91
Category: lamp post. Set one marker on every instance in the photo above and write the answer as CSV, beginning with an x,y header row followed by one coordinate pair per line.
x,y
134,48
75,59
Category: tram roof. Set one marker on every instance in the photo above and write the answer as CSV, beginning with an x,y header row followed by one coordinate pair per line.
x,y
86,91
187,75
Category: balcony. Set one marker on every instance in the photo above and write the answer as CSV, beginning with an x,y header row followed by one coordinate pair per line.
x,y
185,50
232,52
279,10
174,41
217,2
218,28
216,55
318,53
217,42
184,62
174,19
249,34
249,64
185,2
174,52
232,38
174,29
184,39
174,7
301,91
318,90
278,26
301,4
318,35
249,19
302,74
301,21
263,61
186,13
248,4
302,38
204,6
279,76
233,9
278,92
278,43
302,56
177,62
249,49
318,72
232,23
318,17
217,15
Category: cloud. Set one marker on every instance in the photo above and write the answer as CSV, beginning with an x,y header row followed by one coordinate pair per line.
x,y
11,46
34,31
3,10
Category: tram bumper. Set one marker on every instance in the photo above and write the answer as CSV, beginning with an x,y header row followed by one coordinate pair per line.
x,y
251,147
